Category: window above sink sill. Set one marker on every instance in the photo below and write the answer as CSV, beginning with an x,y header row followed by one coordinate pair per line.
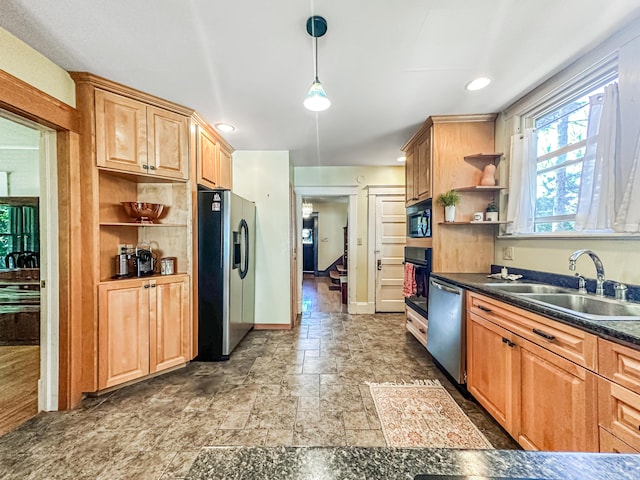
x,y
570,235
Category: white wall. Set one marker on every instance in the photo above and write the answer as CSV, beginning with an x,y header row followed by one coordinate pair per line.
x,y
20,60
332,218
19,158
621,257
263,177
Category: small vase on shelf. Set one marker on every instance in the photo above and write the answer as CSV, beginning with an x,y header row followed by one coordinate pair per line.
x,y
449,213
449,200
488,176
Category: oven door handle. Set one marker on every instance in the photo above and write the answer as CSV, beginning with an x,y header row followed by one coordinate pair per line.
x,y
446,288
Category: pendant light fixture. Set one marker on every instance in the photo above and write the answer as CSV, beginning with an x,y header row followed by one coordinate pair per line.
x,y
316,100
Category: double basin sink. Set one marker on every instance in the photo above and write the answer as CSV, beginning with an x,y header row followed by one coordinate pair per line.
x,y
583,305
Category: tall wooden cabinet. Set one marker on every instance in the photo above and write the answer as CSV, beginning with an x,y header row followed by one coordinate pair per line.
x,y
435,164
134,147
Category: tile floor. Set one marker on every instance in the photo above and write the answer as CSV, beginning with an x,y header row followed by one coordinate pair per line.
x,y
300,387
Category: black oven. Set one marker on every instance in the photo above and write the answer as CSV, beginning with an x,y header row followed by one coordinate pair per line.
x,y
419,220
418,263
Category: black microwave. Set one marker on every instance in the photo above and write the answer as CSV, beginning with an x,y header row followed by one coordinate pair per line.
x,y
419,220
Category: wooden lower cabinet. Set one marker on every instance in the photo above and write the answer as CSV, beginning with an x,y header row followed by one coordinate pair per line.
x,y
611,444
558,402
545,401
143,328
416,324
169,330
492,373
619,412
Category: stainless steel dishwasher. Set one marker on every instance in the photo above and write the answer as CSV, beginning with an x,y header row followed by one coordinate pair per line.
x,y
446,337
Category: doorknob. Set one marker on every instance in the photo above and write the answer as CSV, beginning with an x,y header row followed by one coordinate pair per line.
x,y
379,264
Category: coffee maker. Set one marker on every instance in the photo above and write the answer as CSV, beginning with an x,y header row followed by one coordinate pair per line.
x,y
145,260
125,263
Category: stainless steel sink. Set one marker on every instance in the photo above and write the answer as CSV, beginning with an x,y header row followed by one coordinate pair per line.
x,y
526,288
593,308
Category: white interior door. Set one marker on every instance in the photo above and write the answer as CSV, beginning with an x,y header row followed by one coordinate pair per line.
x,y
390,234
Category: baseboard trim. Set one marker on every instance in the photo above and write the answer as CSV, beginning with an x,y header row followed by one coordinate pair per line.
x,y
362,308
271,326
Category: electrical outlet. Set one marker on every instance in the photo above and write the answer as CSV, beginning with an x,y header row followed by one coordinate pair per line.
x,y
121,248
507,253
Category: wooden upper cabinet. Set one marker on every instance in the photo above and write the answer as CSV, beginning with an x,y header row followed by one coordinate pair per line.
x,y
423,177
169,327
213,160
121,132
409,167
134,137
208,159
226,174
418,168
168,140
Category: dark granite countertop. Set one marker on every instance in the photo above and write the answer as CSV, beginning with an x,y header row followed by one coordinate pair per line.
x,y
347,463
626,331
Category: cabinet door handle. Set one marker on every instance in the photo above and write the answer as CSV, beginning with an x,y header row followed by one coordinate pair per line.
x,y
409,320
146,286
152,167
422,331
544,335
508,342
153,285
145,166
483,308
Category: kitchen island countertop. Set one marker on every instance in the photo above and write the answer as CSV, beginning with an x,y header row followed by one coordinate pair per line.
x,y
346,463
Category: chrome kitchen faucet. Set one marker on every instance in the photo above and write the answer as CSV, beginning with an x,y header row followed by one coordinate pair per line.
x,y
599,268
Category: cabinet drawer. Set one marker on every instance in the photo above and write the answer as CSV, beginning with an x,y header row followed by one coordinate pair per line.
x,y
417,325
620,364
612,444
619,412
571,343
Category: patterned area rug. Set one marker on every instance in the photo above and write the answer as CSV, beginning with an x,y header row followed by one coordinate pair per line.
x,y
423,414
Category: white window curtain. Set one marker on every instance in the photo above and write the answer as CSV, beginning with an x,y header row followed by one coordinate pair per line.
x,y
522,183
628,214
595,210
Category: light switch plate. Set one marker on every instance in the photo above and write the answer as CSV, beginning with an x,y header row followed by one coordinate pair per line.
x,y
507,253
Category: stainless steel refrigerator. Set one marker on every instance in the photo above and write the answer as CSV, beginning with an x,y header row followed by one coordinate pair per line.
x,y
226,272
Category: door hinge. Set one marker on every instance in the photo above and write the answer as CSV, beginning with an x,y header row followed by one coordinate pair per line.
x,y
464,377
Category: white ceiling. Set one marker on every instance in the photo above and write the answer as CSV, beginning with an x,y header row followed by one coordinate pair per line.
x,y
386,65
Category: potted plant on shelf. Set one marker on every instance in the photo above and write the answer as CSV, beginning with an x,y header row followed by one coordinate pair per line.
x,y
492,212
449,200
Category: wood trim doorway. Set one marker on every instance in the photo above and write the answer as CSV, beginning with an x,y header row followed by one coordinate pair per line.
x,y
22,99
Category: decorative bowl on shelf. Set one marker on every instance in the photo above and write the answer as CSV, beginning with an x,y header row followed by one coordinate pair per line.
x,y
143,212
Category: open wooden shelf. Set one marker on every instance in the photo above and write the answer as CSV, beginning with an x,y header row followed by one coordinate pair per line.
x,y
499,222
480,188
133,224
479,160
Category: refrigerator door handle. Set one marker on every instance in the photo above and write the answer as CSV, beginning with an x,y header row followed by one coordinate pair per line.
x,y
244,267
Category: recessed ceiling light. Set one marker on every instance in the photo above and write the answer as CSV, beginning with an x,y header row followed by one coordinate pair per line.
x,y
478,83
225,127
401,159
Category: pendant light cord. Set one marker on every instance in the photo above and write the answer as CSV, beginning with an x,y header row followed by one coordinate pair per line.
x,y
316,56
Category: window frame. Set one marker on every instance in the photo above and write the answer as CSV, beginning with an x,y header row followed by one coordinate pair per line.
x,y
571,83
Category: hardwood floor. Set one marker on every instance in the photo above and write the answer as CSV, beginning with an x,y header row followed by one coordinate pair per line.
x,y
19,374
316,296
